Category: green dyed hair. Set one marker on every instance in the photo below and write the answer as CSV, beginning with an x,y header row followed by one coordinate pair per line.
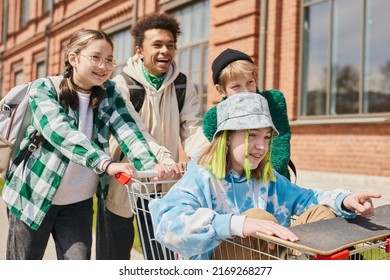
x,y
217,165
247,166
215,158
268,174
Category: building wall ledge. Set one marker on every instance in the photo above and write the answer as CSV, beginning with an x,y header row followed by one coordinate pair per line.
x,y
354,120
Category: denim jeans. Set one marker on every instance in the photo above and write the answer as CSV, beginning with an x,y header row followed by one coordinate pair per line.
x,y
114,235
70,226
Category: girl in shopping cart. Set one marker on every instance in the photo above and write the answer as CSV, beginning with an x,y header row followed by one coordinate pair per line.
x,y
234,175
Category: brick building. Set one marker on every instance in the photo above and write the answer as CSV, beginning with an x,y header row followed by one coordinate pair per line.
x,y
329,57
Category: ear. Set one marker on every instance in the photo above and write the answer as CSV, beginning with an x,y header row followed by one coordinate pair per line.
x,y
220,90
73,59
139,51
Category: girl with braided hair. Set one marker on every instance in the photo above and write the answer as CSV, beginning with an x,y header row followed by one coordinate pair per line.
x,y
51,191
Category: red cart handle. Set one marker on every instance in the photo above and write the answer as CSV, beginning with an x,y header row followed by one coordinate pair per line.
x,y
123,178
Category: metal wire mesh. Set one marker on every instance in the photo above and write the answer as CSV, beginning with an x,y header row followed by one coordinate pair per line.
x,y
237,248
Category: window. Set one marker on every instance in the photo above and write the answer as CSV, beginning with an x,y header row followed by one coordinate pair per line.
x,y
192,46
24,12
41,69
345,62
122,49
18,76
47,5
376,89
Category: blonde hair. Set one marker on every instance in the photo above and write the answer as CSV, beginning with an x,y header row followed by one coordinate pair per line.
x,y
237,69
216,158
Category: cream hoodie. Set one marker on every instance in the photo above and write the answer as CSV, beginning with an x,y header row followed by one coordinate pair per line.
x,y
160,114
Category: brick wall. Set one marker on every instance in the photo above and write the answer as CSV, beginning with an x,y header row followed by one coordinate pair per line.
x,y
343,148
282,54
340,148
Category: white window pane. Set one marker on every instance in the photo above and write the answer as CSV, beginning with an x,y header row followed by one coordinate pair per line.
x,y
376,96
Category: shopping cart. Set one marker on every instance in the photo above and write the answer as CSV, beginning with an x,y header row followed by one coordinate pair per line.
x,y
330,233
140,191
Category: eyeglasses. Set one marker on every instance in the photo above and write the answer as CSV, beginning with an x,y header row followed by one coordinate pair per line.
x,y
96,61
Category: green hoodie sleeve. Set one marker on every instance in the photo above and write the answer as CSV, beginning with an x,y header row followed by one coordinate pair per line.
x,y
210,123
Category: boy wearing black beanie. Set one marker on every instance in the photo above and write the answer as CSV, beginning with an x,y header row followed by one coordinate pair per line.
x,y
234,71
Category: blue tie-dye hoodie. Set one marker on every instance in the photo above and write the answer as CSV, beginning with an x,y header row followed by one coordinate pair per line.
x,y
194,216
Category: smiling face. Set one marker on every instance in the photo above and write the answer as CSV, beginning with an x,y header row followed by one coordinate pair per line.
x,y
257,147
157,51
85,74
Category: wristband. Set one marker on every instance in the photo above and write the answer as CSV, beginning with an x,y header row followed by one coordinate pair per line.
x,y
108,164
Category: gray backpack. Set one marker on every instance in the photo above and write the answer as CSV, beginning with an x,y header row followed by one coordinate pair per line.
x,y
15,117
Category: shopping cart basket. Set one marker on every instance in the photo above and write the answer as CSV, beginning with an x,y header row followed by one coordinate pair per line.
x,y
140,192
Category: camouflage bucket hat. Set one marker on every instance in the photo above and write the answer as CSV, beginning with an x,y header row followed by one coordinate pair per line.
x,y
244,111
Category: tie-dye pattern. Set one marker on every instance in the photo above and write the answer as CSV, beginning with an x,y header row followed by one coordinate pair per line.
x,y
195,215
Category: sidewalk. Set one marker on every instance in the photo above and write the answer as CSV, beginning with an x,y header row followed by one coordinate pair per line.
x,y
50,250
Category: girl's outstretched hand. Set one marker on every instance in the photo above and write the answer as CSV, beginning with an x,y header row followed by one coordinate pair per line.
x,y
361,203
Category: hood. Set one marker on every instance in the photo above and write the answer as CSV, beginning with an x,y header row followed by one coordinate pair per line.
x,y
134,69
234,177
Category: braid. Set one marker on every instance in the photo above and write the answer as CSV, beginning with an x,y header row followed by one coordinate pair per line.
x,y
96,96
68,70
68,96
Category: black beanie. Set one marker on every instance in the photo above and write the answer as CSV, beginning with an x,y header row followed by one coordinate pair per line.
x,y
224,59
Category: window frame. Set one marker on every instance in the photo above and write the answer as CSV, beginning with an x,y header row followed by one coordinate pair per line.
x,y
360,116
17,69
122,27
24,13
203,45
47,6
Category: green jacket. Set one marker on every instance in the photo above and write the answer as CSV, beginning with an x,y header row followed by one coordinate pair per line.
x,y
281,144
31,186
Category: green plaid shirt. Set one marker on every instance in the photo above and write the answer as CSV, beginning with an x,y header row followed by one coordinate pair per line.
x,y
31,186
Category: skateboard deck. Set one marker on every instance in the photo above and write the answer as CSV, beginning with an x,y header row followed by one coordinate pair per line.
x,y
330,236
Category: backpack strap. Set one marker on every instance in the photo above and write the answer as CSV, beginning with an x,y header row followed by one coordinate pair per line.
x,y
180,88
136,91
292,167
55,82
36,140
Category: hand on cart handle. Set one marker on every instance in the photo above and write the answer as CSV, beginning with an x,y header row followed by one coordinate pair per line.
x,y
124,178
160,172
178,169
113,168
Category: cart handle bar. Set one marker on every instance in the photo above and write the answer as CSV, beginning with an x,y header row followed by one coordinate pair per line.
x,y
124,178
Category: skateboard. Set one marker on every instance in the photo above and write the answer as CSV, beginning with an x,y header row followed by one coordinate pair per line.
x,y
330,239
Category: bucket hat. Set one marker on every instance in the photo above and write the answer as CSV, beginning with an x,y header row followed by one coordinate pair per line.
x,y
242,111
